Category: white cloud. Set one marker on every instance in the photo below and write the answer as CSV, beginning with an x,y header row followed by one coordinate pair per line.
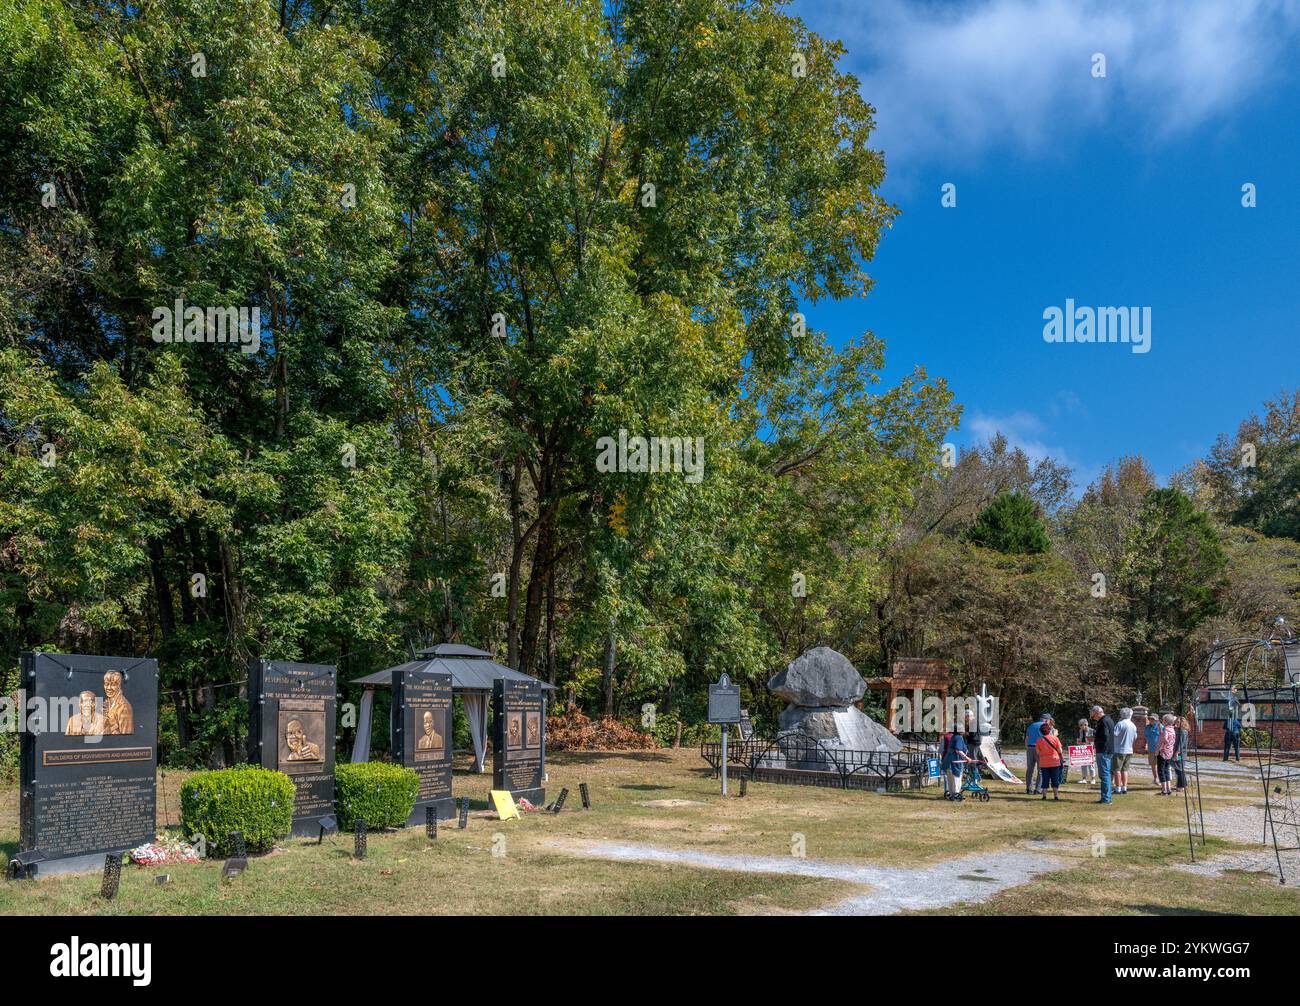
x,y
1022,429
962,79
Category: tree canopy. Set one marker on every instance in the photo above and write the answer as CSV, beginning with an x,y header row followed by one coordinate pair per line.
x,y
482,240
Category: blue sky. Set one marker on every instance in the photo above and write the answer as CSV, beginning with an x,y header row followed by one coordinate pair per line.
x,y
1125,190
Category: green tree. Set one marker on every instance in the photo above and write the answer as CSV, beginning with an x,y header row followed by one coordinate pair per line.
x,y
1173,577
1010,525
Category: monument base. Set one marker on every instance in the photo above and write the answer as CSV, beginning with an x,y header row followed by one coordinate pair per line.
x,y
445,809
30,866
310,827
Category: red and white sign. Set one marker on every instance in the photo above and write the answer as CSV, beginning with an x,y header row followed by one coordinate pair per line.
x,y
1082,754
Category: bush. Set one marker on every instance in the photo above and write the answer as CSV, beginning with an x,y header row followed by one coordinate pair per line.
x,y
381,795
249,799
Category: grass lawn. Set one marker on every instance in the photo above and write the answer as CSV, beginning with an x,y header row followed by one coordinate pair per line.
x,y
666,799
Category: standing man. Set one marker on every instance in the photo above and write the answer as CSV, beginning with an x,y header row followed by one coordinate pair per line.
x,y
1151,734
1104,738
1032,735
1232,735
1125,734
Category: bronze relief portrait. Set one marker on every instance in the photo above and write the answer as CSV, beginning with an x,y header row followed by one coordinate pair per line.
x,y
302,737
533,730
514,730
94,719
429,738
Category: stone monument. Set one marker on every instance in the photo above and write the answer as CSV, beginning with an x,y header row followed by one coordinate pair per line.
x,y
421,725
821,686
291,729
88,754
519,739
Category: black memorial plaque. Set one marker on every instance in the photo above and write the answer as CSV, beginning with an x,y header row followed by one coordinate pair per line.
x,y
519,739
291,729
88,757
421,732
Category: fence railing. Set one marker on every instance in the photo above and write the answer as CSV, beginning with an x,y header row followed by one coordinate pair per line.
x,y
797,758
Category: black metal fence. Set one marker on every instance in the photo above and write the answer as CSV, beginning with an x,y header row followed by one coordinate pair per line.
x,y
802,760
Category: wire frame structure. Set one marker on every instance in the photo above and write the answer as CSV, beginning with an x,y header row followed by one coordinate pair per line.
x,y
1254,672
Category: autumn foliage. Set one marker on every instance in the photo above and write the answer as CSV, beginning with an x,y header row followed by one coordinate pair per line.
x,y
573,731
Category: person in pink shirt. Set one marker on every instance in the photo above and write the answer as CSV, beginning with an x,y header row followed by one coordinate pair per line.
x,y
1165,753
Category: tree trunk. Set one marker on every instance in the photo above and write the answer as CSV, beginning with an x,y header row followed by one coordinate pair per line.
x,y
607,675
516,565
543,561
551,670
167,623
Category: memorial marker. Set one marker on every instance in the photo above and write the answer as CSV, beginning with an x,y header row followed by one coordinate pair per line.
x,y
291,729
421,731
89,752
724,708
464,812
559,804
112,876
519,739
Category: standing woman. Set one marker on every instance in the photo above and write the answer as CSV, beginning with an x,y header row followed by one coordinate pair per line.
x,y
1084,738
1183,735
1165,752
1050,757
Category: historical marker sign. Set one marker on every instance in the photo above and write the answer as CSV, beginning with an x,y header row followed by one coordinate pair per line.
x,y
519,739
724,701
291,729
724,708
421,732
88,755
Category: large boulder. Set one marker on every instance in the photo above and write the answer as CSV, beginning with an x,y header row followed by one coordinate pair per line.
x,y
819,677
842,726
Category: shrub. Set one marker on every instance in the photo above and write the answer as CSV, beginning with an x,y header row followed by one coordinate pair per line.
x,y
249,799
382,795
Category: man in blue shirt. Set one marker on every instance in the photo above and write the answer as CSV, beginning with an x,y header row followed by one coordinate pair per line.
x,y
1232,735
1151,734
1034,732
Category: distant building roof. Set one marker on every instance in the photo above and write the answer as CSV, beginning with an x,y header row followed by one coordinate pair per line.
x,y
470,669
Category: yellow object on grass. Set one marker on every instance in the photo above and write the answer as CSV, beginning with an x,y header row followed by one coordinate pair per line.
x,y
505,804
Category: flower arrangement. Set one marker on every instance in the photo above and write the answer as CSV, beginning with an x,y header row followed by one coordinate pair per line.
x,y
165,849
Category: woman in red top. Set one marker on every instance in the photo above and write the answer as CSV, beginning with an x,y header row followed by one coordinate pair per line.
x,y
1050,757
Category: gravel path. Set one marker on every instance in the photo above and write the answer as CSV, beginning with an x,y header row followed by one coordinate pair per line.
x,y
893,889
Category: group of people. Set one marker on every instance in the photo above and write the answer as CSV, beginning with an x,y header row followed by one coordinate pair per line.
x,y
1112,741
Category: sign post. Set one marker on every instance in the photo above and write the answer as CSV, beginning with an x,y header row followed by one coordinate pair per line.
x,y
724,708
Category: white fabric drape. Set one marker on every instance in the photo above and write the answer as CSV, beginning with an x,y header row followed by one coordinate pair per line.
x,y
361,746
476,704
